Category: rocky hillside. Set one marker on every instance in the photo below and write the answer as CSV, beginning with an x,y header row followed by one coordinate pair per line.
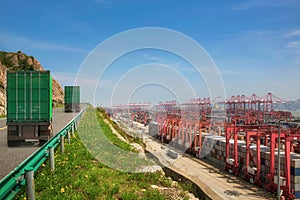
x,y
19,61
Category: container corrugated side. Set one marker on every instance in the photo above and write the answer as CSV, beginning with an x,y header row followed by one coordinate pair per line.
x,y
29,96
72,94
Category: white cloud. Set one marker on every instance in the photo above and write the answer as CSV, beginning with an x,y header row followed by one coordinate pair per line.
x,y
147,82
293,44
293,33
258,3
48,46
151,58
19,41
64,78
236,72
179,67
274,45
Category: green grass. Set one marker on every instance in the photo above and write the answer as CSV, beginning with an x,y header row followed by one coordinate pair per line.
x,y
112,137
58,105
119,129
79,175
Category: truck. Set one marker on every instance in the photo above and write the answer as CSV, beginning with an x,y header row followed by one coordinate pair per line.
x,y
72,98
29,107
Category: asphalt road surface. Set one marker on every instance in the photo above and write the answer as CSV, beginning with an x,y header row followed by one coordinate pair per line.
x,y
2,123
11,157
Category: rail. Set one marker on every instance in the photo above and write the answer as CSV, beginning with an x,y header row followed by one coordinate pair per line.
x,y
15,180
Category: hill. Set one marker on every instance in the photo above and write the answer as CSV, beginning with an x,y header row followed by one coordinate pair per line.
x,y
290,106
16,61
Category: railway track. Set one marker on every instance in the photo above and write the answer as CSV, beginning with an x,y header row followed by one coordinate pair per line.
x,y
11,157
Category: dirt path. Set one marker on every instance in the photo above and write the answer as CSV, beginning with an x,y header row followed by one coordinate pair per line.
x,y
173,192
114,131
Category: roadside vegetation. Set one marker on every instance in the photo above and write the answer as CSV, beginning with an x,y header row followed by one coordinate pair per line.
x,y
6,60
78,175
119,129
58,105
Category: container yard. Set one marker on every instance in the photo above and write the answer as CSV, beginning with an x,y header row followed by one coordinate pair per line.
x,y
246,136
29,107
72,98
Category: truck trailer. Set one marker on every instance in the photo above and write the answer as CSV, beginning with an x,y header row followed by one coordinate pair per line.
x,y
29,107
72,98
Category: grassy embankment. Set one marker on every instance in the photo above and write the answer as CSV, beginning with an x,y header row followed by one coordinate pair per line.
x,y
120,130
78,175
61,105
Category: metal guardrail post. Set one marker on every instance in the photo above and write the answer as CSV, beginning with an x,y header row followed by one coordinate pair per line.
x,y
68,135
75,125
51,157
29,172
62,144
72,130
9,185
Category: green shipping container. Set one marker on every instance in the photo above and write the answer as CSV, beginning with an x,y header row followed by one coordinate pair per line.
x,y
29,96
72,98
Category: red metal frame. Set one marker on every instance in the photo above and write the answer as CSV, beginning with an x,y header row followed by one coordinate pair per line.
x,y
184,124
231,132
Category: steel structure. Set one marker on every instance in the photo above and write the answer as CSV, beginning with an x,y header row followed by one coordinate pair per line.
x,y
250,128
256,119
138,112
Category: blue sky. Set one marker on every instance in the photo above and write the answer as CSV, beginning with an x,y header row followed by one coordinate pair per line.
x,y
254,44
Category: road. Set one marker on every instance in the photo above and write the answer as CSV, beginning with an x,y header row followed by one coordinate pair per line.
x,y
11,157
2,123
214,182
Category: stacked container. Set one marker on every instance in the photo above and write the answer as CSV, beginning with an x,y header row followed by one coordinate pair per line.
x,y
213,149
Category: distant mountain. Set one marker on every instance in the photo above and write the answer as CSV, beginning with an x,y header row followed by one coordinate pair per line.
x,y
291,106
16,61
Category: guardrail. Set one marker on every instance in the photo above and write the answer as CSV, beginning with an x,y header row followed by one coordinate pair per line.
x,y
16,179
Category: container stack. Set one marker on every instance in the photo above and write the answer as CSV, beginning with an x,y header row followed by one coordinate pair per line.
x,y
295,174
214,149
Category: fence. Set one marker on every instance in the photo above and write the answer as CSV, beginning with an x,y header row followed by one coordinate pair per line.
x,y
23,174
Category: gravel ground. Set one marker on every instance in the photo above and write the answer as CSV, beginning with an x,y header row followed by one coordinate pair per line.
x,y
11,157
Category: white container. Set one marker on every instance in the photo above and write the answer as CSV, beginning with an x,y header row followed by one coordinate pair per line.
x,y
230,161
251,170
282,180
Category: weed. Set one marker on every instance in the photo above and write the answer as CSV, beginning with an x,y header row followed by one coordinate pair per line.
x,y
79,175
153,195
129,196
